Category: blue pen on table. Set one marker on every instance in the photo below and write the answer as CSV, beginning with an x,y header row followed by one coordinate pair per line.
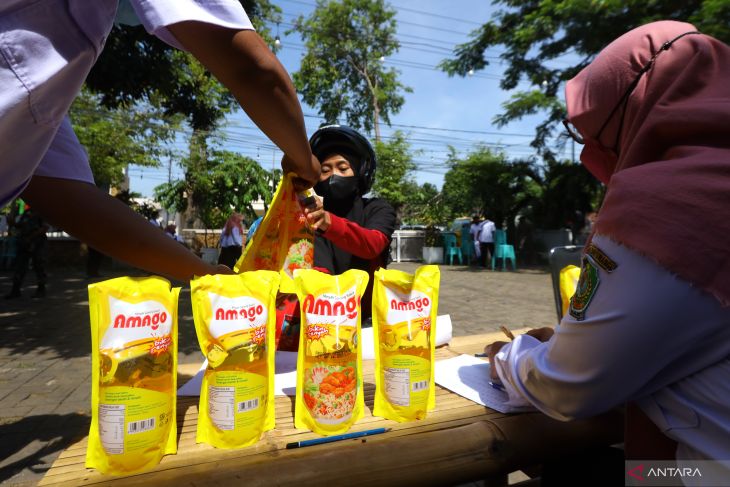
x,y
329,439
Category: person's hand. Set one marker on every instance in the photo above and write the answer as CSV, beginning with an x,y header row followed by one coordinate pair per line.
x,y
222,269
543,334
317,217
307,173
492,350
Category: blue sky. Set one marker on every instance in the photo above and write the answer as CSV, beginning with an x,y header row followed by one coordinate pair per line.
x,y
454,111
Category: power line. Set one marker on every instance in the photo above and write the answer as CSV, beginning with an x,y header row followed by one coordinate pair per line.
x,y
438,16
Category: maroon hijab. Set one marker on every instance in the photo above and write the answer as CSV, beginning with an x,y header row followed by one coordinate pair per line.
x,y
667,164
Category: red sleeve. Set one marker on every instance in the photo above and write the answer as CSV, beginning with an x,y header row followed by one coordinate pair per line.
x,y
354,239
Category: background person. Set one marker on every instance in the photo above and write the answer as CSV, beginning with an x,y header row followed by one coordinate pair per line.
x,y
31,248
55,43
352,232
650,321
231,240
474,232
486,241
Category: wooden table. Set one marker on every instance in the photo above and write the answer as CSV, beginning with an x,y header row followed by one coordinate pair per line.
x,y
459,442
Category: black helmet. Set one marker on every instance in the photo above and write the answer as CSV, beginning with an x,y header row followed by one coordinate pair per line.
x,y
331,138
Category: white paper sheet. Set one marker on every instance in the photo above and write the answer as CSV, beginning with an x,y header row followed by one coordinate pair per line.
x,y
443,336
285,380
468,376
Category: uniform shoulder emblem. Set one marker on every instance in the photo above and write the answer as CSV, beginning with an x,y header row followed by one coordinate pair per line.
x,y
585,290
600,258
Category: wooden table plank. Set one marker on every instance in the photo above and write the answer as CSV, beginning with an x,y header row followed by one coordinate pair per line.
x,y
457,442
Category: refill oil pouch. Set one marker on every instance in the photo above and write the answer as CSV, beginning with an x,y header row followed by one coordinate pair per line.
x,y
133,374
404,330
284,241
329,395
235,321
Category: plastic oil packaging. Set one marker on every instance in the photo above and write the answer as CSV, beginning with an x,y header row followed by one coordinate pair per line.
x,y
284,241
404,327
235,322
329,396
133,375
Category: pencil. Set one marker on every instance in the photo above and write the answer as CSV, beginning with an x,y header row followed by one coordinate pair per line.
x,y
329,439
507,333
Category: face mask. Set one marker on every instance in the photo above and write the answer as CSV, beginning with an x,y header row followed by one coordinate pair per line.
x,y
337,187
599,160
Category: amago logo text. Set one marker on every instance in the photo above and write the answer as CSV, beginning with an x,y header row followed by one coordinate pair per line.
x,y
250,313
418,304
326,307
151,320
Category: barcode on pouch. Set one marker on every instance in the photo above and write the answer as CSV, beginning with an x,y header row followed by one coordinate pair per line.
x,y
248,405
140,426
420,385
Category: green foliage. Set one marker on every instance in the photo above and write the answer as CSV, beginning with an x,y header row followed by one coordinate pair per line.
x,y
216,183
145,209
114,138
432,237
394,175
486,183
567,188
136,66
341,72
535,32
552,197
425,205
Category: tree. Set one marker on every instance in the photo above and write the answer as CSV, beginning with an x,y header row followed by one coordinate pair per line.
x,y
535,32
115,138
485,182
217,185
342,71
424,205
394,175
138,67
569,192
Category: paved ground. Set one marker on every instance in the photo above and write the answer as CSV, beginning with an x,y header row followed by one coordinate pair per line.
x,y
45,364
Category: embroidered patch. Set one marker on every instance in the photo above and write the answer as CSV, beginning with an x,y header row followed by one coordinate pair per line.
x,y
584,291
600,258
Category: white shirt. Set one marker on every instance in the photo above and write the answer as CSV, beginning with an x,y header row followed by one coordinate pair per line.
x,y
47,47
648,337
486,231
474,230
234,239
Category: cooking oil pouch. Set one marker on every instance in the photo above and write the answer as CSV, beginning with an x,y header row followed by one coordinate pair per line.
x,y
284,241
235,321
133,374
569,276
329,397
404,327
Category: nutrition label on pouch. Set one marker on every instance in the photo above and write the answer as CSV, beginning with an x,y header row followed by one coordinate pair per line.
x,y
397,385
221,406
111,428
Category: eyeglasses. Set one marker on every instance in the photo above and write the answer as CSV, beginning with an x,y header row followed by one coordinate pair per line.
x,y
623,101
573,132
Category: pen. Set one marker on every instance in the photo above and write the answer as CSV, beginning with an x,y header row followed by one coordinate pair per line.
x,y
506,332
496,385
329,439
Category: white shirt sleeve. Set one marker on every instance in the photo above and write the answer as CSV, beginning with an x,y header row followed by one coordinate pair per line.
x,y
156,15
65,158
644,329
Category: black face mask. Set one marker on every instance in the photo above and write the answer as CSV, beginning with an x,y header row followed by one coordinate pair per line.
x,y
338,188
